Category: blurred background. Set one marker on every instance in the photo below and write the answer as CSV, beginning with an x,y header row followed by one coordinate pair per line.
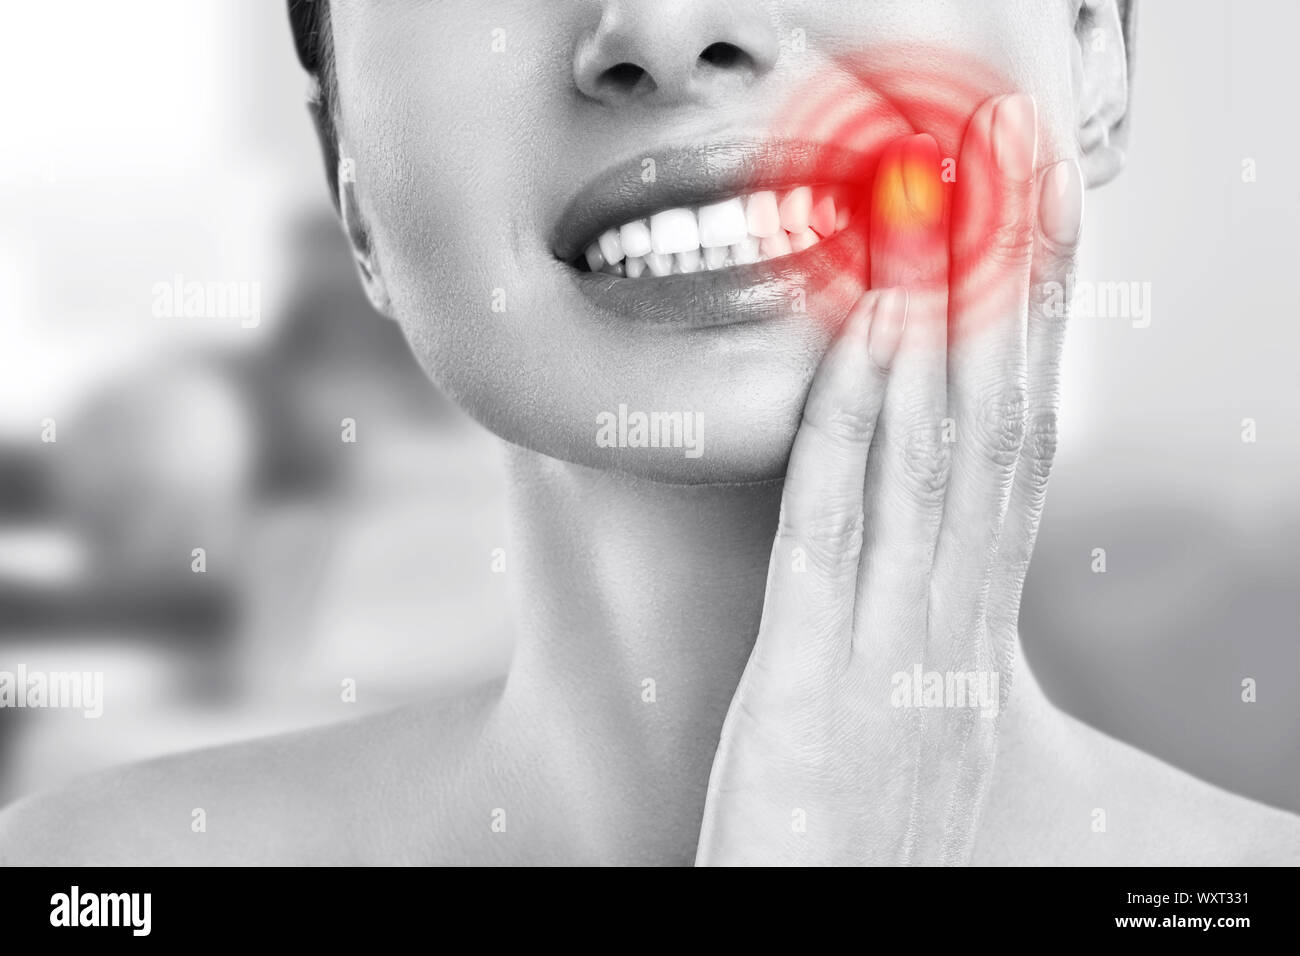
x,y
166,143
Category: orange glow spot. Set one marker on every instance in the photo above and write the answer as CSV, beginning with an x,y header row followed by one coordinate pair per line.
x,y
908,192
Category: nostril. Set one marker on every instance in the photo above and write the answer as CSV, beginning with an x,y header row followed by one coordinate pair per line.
x,y
726,56
625,78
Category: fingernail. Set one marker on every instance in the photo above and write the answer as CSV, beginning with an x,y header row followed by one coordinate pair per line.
x,y
920,161
1060,206
887,328
1015,136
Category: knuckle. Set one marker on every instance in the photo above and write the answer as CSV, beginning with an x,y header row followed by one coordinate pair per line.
x,y
840,425
926,460
998,427
831,540
1039,449
1012,243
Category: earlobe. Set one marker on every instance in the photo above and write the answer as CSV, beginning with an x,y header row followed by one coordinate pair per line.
x,y
354,225
1103,56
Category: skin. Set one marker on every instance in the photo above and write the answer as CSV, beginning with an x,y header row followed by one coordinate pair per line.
x,y
641,566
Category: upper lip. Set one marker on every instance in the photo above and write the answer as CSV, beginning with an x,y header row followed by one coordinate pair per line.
x,y
697,175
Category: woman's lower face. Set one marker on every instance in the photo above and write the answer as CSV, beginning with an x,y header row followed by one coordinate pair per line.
x,y
623,234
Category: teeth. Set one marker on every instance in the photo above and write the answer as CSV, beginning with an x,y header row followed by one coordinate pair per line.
x,y
796,207
715,257
775,246
611,247
688,261
635,238
822,219
736,232
746,251
723,224
674,230
659,265
762,216
799,241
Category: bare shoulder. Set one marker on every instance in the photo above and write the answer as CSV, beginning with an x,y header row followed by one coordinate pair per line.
x,y
302,798
1074,795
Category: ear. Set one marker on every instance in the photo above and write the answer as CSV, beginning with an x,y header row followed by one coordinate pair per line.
x,y
1103,71
354,225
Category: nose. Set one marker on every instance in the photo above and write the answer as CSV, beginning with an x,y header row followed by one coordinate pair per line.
x,y
669,52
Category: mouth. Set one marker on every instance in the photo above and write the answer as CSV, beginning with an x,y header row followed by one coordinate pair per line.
x,y
738,231
718,233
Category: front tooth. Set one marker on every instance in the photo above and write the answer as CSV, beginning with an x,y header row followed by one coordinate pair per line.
x,y
634,266
715,257
745,251
688,261
822,219
659,265
723,223
635,238
762,217
796,207
595,259
774,246
674,230
611,247
613,269
799,241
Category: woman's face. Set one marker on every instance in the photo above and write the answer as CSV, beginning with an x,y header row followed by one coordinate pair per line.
x,y
492,141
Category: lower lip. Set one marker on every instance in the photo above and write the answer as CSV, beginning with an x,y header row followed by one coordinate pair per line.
x,y
760,292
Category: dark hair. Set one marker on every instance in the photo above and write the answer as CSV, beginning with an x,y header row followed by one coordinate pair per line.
x,y
310,22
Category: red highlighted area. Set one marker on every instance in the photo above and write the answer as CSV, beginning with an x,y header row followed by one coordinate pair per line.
x,y
933,202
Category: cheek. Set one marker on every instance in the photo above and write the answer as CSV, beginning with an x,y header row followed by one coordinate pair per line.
x,y
451,161
440,223
962,48
471,294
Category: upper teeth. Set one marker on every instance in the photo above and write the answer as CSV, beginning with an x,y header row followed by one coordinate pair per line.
x,y
737,231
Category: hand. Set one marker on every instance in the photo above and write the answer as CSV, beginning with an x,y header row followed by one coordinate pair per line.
x,y
907,520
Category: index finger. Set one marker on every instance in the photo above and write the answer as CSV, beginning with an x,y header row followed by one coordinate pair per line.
x,y
818,542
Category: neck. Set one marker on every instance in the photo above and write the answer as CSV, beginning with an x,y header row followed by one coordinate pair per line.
x,y
637,606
